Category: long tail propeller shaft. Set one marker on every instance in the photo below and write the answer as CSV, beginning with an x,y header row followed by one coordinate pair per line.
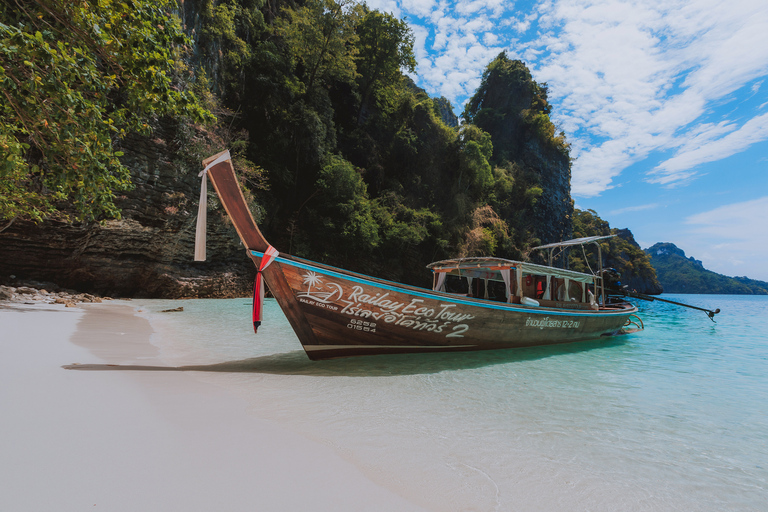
x,y
626,293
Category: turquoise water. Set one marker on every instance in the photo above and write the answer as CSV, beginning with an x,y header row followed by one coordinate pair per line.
x,y
672,418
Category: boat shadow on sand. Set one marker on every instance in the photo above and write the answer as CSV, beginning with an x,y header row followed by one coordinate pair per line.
x,y
297,363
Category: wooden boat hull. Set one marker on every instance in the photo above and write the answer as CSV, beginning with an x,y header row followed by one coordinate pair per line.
x,y
351,314
337,313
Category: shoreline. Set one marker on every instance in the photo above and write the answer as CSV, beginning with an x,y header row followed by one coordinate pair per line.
x,y
146,440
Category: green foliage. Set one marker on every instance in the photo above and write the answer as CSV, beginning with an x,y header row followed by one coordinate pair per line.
x,y
16,200
403,226
444,111
231,26
533,194
346,225
360,164
75,78
491,101
385,49
475,150
538,121
487,234
322,40
343,213
503,182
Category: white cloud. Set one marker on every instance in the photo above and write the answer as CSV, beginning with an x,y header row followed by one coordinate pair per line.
x,y
701,148
520,26
740,222
632,209
731,239
490,39
473,6
390,6
420,35
616,80
420,8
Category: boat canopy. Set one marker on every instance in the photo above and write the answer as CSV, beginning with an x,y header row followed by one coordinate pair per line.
x,y
570,243
561,246
491,268
555,282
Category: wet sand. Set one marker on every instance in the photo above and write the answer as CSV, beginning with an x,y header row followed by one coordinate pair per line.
x,y
146,440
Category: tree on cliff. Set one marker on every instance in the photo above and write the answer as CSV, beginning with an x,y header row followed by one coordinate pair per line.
x,y
321,39
386,49
325,104
76,77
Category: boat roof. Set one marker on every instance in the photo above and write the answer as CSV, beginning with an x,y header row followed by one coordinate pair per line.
x,y
575,241
490,268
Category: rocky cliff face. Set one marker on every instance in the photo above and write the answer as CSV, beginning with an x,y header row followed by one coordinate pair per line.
x,y
147,253
511,107
554,209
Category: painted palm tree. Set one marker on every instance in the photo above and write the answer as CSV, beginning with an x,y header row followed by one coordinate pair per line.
x,y
311,279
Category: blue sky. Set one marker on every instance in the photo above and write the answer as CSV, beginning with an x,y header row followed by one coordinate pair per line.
x,y
665,104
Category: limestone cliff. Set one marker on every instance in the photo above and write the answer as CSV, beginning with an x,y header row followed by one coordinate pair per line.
x,y
147,253
554,209
511,107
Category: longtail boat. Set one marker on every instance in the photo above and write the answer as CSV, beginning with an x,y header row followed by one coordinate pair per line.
x,y
475,303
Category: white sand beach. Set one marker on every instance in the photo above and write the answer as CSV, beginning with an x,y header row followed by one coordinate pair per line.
x,y
143,440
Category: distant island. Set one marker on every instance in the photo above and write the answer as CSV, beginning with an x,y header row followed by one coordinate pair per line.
x,y
679,274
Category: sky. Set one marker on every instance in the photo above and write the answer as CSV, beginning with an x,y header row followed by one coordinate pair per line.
x,y
665,104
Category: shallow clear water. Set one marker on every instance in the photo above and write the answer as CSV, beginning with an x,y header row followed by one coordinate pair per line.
x,y
672,418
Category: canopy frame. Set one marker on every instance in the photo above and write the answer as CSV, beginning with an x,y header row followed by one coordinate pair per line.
x,y
582,242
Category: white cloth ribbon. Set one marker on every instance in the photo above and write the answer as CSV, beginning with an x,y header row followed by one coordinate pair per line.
x,y
202,210
440,284
505,274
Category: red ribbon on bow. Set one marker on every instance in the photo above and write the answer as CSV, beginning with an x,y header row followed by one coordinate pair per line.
x,y
258,286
